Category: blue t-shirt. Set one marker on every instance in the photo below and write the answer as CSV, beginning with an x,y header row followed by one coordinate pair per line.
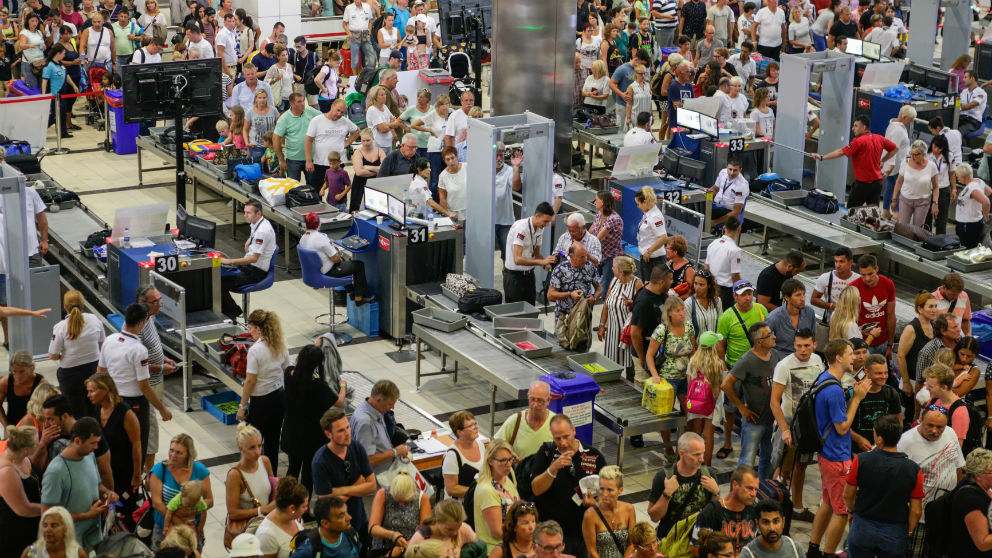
x,y
677,92
399,22
55,74
831,409
75,484
624,76
346,547
170,488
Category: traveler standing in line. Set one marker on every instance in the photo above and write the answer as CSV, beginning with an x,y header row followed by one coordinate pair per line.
x,y
972,209
158,364
56,536
263,399
684,489
20,490
917,334
120,432
22,378
617,310
771,542
735,514
526,430
829,285
463,459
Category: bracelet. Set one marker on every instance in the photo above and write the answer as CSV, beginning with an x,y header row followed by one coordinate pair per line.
x,y
259,508
394,453
550,474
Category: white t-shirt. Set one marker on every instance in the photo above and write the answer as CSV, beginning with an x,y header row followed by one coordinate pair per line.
x,y
884,36
203,49
943,178
357,18
897,134
454,185
329,135
601,85
436,124
824,19
799,32
317,241
916,183
637,136
978,94
34,206
723,258
374,117
142,56
557,186
268,367
273,540
770,26
84,349
968,209
939,461
745,70
450,464
126,360
419,192
457,126
765,122
225,38
953,145
731,192
263,243
720,18
651,227
522,233
797,377
823,285
737,106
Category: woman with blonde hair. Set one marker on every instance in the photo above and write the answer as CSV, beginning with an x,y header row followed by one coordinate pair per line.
x,y
56,536
495,491
595,90
20,490
396,513
617,310
651,232
431,548
844,319
379,119
446,524
184,538
707,366
267,362
168,477
433,123
605,524
915,335
640,94
76,343
120,430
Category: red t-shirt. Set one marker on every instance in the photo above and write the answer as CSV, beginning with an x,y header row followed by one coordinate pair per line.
x,y
865,152
874,305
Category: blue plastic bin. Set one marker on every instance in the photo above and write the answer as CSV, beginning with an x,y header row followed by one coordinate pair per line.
x,y
981,321
124,136
209,404
573,395
364,318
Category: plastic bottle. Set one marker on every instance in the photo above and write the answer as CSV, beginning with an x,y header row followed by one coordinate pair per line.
x,y
126,243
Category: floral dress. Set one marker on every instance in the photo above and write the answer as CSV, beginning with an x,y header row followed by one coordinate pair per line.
x,y
676,350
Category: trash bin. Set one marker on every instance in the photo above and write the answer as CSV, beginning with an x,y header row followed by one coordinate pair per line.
x,y
573,395
981,329
123,136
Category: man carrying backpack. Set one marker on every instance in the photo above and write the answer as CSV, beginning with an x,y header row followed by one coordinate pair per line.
x,y
304,62
885,492
333,537
834,417
679,492
881,400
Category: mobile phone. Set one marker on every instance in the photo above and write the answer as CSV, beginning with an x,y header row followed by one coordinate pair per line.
x,y
869,327
860,375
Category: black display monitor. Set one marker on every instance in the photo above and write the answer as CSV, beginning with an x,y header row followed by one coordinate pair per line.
x,y
184,88
937,82
202,231
459,19
915,74
983,60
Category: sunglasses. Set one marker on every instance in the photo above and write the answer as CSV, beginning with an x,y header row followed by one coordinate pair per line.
x,y
704,273
936,407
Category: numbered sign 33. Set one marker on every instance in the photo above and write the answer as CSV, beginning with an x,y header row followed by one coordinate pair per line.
x,y
167,264
417,235
736,145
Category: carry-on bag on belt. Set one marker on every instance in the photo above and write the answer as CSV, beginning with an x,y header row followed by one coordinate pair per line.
x,y
235,349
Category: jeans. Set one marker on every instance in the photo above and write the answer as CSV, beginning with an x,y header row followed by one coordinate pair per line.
x,y
622,118
879,349
501,232
756,440
368,54
871,539
890,187
28,76
606,274
295,169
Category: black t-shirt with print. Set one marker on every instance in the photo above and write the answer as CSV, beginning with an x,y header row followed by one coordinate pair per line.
x,y
740,526
874,405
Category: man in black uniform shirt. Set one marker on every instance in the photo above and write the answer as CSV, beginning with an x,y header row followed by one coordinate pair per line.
x,y
563,463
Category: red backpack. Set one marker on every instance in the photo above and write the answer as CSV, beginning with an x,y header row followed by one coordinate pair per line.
x,y
235,349
699,400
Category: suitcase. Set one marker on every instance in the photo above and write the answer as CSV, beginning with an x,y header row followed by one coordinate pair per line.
x,y
26,164
21,88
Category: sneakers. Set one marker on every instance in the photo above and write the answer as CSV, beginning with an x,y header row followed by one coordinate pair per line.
x,y
805,516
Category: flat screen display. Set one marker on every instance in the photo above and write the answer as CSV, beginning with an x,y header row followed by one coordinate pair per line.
x,y
397,210
376,201
709,125
855,47
872,51
687,118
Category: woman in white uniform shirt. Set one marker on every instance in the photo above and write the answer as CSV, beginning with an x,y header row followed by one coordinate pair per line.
x,y
76,342
420,193
651,232
331,264
263,400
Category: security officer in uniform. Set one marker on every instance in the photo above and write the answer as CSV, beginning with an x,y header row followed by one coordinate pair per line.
x,y
524,253
125,358
729,193
259,251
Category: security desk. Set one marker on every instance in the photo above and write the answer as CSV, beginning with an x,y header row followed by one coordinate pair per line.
x,y
881,109
623,191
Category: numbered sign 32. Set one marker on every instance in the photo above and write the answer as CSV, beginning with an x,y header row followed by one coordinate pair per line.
x,y
672,196
167,264
417,235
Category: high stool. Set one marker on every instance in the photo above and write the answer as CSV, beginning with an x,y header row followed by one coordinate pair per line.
x,y
312,277
246,290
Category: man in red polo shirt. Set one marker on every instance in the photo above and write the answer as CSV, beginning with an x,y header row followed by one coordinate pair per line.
x,y
865,150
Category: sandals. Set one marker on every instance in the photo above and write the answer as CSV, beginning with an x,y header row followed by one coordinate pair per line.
x,y
723,453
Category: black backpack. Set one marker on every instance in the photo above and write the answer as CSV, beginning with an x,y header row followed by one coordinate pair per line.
x,y
819,201
366,79
308,84
942,242
468,502
973,438
300,196
806,436
938,517
317,544
475,300
525,473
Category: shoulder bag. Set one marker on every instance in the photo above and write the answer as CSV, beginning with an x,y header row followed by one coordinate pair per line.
x,y
233,528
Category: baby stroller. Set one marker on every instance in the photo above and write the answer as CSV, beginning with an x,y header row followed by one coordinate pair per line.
x,y
118,541
460,67
94,104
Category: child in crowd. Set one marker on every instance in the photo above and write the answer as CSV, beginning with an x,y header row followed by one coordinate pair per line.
x,y
423,40
705,373
187,508
410,42
475,111
337,183
237,127
270,162
223,131
179,52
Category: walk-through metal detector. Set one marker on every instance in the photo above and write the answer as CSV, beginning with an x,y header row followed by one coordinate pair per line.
x,y
836,95
535,134
955,38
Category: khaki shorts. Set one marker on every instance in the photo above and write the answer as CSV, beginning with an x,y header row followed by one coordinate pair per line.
x,y
153,420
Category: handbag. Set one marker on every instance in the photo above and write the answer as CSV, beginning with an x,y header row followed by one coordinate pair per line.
x,y
233,528
235,349
625,337
37,67
276,88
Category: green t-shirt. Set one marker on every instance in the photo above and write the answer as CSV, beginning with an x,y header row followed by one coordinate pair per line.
x,y
411,115
293,129
122,44
736,336
177,502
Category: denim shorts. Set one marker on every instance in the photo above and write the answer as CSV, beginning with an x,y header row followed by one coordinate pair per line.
x,y
681,386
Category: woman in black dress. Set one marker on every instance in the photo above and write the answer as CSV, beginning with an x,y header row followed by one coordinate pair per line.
x,y
366,161
20,491
122,434
17,387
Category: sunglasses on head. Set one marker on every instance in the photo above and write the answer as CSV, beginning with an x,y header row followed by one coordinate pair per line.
x,y
936,407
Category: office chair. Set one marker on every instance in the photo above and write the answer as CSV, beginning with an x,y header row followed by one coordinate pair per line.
x,y
246,290
313,278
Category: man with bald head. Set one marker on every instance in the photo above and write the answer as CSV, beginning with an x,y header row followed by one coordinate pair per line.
x,y
935,448
528,429
705,47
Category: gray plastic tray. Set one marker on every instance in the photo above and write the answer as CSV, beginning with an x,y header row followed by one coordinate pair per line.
x,y
873,234
514,309
934,256
511,324
442,320
612,372
790,197
207,339
849,225
968,267
449,293
542,347
906,241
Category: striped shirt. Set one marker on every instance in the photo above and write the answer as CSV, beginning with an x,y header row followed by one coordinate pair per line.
x,y
667,8
156,357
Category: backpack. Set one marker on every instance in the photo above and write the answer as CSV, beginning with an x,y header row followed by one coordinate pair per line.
x,y
525,473
300,196
468,502
820,201
762,182
657,79
308,79
699,400
939,242
475,300
317,545
806,435
235,349
973,438
366,79
938,514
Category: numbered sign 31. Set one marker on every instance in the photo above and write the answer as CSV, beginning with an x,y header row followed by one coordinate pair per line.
x,y
417,235
167,264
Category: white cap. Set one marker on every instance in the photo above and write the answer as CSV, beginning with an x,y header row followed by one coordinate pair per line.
x,y
245,545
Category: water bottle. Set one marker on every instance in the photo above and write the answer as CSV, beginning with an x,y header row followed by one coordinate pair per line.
x,y
408,203
126,243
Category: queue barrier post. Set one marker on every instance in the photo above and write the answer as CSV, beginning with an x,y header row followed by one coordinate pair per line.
x,y
59,150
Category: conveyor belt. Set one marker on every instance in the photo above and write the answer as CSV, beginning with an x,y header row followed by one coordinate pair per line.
x,y
73,225
807,227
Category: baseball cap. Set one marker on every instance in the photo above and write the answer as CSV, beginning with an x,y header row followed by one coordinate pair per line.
x,y
395,54
858,343
708,339
742,286
245,545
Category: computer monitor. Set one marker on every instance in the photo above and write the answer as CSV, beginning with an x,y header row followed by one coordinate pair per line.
x,y
870,50
397,210
709,125
181,217
376,201
687,118
855,47
916,75
202,231
937,82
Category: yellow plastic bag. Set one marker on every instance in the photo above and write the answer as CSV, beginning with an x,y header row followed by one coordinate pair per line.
x,y
659,398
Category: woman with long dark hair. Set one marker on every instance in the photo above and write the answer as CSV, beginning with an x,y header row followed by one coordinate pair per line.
x,y
703,307
608,228
73,63
306,387
947,185
122,434
76,343
30,43
966,373
53,80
